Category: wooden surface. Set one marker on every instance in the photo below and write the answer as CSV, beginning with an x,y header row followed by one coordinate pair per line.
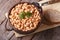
x,y
5,5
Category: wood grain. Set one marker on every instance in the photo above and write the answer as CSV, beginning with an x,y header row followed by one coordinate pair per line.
x,y
3,10
13,38
27,37
56,35
2,3
5,5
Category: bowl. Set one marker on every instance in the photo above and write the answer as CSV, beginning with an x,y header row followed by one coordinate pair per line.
x,y
28,31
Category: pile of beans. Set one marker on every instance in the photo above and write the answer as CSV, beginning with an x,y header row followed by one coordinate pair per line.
x,y
26,23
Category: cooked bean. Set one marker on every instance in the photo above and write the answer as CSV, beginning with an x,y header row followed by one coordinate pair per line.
x,y
27,23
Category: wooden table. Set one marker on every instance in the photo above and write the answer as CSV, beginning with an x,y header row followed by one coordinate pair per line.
x,y
5,5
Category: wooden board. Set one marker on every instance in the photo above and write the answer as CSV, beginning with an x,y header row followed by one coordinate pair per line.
x,y
53,34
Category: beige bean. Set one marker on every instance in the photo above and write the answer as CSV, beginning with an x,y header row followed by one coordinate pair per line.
x,y
19,6
27,24
32,10
15,26
25,4
26,10
18,26
32,5
27,28
21,27
31,24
